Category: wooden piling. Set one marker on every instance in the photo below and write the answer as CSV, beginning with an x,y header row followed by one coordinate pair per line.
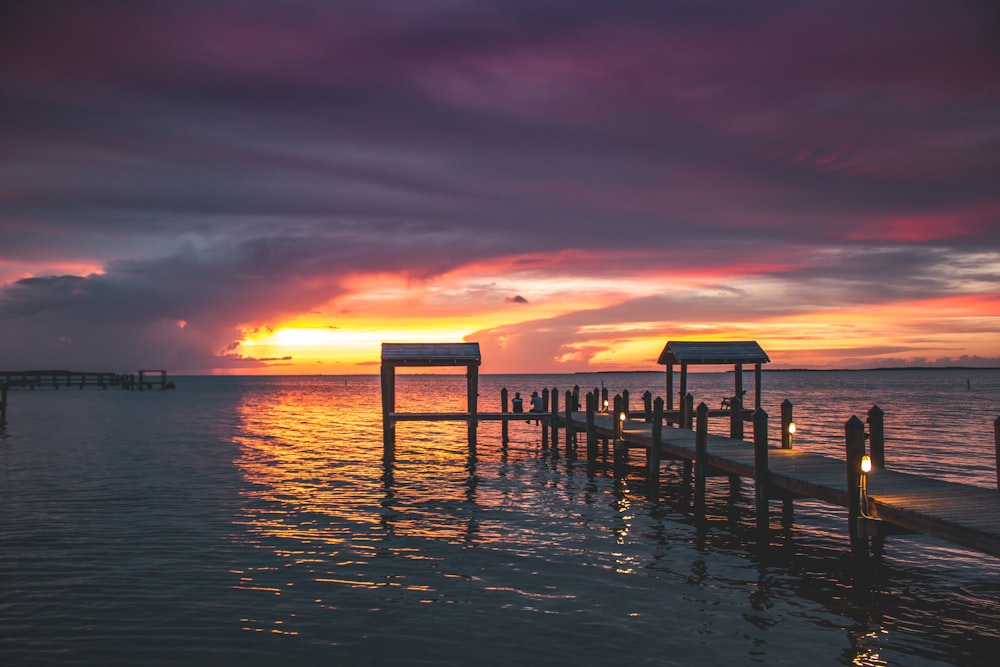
x,y
688,413
996,444
625,401
656,437
554,412
570,431
876,437
854,436
786,422
700,457
504,425
736,418
388,407
761,474
620,446
647,405
591,429
787,504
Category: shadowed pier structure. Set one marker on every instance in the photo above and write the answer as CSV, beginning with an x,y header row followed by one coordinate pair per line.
x,y
879,502
430,355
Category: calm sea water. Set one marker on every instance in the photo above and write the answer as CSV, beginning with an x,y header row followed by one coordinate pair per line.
x,y
251,521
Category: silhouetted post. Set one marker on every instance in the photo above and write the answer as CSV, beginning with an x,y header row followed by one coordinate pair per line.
x,y
554,418
591,429
854,436
700,458
570,429
786,422
504,423
620,449
876,437
576,398
996,444
760,471
656,439
647,405
625,402
787,433
388,407
472,391
688,415
736,418
604,398
545,426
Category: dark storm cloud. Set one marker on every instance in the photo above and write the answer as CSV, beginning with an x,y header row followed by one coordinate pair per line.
x,y
228,162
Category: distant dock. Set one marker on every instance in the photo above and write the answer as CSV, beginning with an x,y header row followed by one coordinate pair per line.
x,y
56,379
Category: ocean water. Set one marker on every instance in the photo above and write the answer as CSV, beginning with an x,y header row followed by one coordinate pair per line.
x,y
246,521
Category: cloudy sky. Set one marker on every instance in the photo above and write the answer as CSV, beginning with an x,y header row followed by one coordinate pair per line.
x,y
246,186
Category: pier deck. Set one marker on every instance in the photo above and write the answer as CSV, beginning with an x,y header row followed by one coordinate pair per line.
x,y
962,514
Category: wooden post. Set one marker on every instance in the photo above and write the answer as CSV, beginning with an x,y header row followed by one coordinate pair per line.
x,y
787,504
996,444
854,436
472,384
620,449
570,431
736,418
591,430
504,423
388,407
554,419
876,437
738,381
700,457
545,426
786,420
604,398
625,402
682,394
756,384
670,387
688,412
647,405
653,460
760,471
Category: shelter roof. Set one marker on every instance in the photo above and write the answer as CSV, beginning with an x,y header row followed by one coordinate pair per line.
x,y
713,352
431,354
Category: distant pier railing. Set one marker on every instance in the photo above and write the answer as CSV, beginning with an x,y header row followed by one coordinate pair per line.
x,y
56,379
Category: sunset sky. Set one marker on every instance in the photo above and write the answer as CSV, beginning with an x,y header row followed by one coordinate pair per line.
x,y
278,187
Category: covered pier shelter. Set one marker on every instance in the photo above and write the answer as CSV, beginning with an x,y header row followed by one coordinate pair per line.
x,y
699,353
426,355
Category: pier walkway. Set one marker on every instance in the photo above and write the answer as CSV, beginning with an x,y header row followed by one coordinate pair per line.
x,y
881,502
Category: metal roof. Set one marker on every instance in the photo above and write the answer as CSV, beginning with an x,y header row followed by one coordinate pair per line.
x,y
694,352
431,354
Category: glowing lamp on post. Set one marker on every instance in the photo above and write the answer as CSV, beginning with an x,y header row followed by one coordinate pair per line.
x,y
791,432
605,405
866,467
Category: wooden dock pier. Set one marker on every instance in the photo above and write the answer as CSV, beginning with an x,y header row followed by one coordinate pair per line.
x,y
879,502
56,379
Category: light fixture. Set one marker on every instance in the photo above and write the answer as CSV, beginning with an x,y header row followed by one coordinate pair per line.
x,y
791,432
